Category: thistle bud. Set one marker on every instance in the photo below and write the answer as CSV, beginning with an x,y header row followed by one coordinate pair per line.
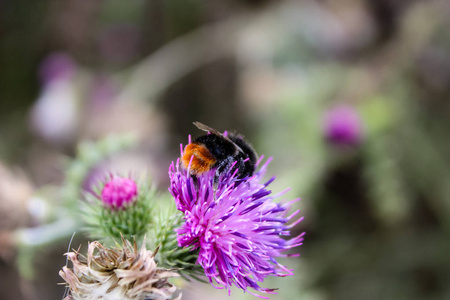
x,y
119,207
119,191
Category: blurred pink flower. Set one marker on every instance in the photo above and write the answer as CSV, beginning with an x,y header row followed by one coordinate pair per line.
x,y
343,126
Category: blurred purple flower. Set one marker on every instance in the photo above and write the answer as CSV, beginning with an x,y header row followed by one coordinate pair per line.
x,y
94,175
102,92
118,192
343,126
57,65
54,115
235,224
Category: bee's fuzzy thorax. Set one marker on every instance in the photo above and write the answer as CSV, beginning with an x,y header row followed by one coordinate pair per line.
x,y
198,157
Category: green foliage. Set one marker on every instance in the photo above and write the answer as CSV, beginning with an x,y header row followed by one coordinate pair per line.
x,y
66,220
170,255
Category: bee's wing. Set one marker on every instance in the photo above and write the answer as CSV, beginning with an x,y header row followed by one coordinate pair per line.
x,y
206,128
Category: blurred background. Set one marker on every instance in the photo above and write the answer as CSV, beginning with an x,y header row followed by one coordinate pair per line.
x,y
350,98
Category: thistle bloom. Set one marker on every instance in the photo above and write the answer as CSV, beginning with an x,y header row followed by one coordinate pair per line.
x,y
235,224
119,206
119,191
343,126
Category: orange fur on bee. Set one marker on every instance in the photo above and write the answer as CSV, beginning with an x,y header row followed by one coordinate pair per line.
x,y
202,160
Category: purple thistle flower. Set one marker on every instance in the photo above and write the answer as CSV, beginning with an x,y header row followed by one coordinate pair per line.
x,y
235,224
57,65
119,191
343,126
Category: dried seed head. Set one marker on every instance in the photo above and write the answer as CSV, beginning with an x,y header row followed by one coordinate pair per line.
x,y
119,273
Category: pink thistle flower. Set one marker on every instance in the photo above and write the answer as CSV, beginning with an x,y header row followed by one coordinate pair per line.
x,y
235,224
119,191
119,206
343,126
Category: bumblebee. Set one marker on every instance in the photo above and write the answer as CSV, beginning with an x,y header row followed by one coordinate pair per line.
x,y
218,151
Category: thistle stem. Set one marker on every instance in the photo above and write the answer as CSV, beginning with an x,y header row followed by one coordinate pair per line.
x,y
45,234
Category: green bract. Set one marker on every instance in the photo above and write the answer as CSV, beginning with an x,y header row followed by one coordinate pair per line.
x,y
132,220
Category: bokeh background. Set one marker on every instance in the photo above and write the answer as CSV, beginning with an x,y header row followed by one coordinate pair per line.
x,y
350,98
